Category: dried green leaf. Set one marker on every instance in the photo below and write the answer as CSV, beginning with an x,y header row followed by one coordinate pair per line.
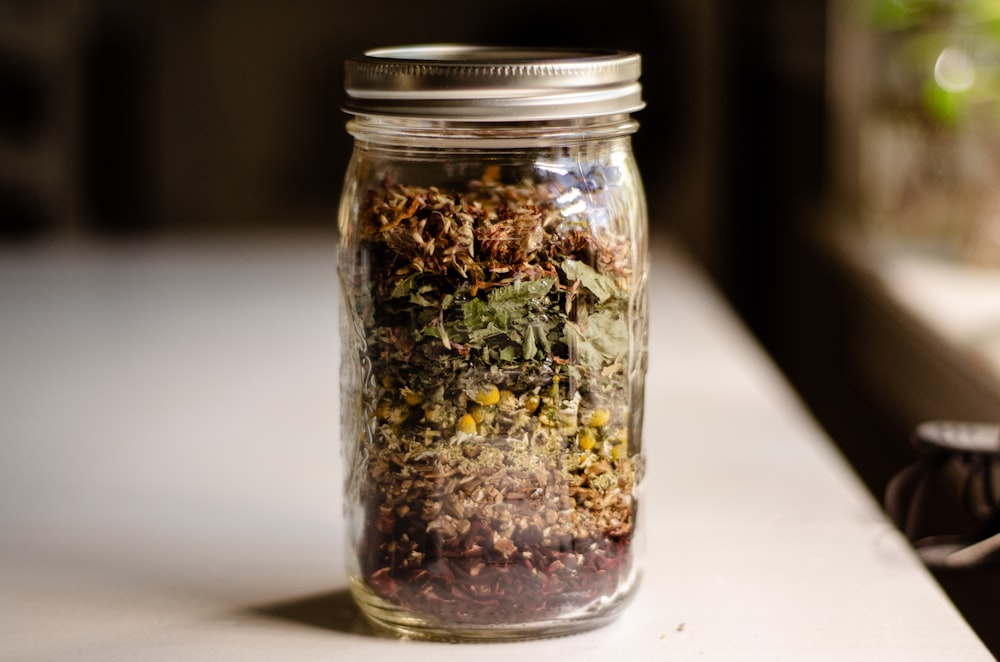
x,y
528,347
420,300
404,287
607,330
601,286
581,350
520,293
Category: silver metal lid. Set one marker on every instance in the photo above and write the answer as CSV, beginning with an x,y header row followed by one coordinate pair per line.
x,y
488,83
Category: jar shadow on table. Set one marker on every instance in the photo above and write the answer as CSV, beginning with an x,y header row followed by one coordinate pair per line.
x,y
334,611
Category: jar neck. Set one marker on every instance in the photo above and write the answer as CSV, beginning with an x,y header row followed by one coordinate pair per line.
x,y
422,132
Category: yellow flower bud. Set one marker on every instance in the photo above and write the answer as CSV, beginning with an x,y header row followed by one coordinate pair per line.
x,y
620,451
599,418
467,424
477,413
531,403
412,398
489,395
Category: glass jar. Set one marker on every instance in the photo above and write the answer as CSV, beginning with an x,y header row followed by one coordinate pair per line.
x,y
493,261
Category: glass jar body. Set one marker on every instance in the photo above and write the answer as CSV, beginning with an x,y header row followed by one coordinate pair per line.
x,y
494,332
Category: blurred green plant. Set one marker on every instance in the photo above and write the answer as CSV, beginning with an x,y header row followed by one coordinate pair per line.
x,y
949,50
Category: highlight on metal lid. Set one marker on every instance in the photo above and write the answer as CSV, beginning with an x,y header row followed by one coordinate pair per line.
x,y
492,83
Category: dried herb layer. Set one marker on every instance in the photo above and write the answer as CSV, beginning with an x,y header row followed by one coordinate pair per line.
x,y
495,472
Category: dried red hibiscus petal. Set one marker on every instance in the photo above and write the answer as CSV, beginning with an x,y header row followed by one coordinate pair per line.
x,y
477,584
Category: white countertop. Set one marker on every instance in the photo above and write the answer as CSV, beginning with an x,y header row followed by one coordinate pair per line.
x,y
170,480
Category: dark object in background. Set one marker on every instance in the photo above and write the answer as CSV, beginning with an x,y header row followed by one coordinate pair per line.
x,y
922,498
973,450
25,103
117,159
225,117
22,215
29,127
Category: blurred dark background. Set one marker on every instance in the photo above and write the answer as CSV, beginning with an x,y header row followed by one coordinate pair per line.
x,y
144,119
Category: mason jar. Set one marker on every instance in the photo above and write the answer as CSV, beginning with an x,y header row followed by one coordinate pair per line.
x,y
493,262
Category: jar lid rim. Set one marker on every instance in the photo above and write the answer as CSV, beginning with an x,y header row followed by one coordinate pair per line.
x,y
474,82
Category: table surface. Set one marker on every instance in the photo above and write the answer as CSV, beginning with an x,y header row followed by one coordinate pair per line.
x,y
170,480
